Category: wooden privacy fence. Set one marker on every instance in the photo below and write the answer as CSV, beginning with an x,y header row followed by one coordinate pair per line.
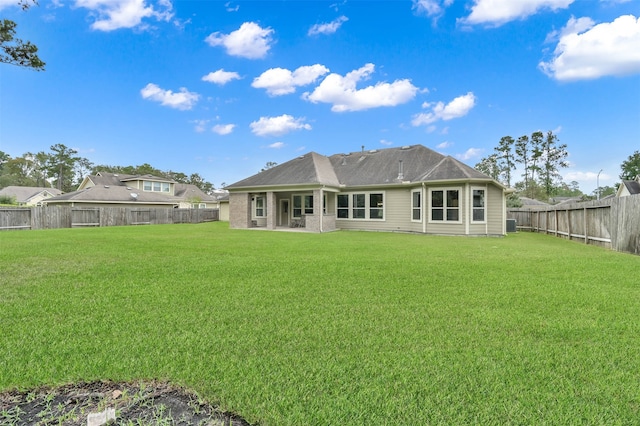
x,y
51,217
613,223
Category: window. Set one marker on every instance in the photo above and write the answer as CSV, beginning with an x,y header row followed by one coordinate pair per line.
x,y
361,206
156,186
416,205
343,206
376,206
478,205
358,209
300,201
445,205
260,205
324,203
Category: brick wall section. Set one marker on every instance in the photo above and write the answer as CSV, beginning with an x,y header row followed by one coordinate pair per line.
x,y
239,210
272,206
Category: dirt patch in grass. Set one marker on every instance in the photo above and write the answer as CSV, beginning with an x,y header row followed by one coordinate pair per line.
x,y
135,403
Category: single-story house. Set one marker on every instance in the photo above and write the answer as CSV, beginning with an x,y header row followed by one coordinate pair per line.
x,y
29,195
629,187
411,189
120,190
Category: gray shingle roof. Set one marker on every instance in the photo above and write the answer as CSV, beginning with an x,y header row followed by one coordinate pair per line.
x,y
633,186
24,193
414,163
113,194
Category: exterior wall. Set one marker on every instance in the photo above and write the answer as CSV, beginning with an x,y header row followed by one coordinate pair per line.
x,y
496,219
272,206
239,210
224,211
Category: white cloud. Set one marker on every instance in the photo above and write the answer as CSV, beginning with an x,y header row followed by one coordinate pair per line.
x,y
277,145
342,93
459,107
328,28
498,12
469,154
432,8
278,126
200,125
223,129
230,8
182,100
587,51
115,14
280,81
444,145
386,142
221,77
249,41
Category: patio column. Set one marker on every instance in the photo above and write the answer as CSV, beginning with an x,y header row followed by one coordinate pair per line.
x,y
272,208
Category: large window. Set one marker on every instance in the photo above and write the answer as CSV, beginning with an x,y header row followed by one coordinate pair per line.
x,y
478,205
148,185
361,206
260,204
343,206
416,206
445,205
302,204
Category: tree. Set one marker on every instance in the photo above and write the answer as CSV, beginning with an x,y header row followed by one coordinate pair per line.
x,y
553,157
4,157
631,167
505,159
489,166
61,166
269,165
13,50
523,157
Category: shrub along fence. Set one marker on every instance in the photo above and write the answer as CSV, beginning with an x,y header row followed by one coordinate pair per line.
x,y
51,217
613,223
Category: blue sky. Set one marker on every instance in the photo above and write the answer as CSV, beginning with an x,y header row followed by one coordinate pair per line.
x,y
220,88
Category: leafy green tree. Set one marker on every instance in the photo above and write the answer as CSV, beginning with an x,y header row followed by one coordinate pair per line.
x,y
19,171
489,166
61,164
553,158
523,156
15,51
4,157
631,167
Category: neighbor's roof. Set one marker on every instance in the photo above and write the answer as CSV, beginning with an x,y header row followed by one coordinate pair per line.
x,y
633,186
411,164
25,193
113,194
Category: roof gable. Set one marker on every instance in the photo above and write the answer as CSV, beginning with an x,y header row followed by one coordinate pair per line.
x,y
311,168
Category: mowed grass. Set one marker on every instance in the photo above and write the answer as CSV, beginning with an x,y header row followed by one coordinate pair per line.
x,y
349,328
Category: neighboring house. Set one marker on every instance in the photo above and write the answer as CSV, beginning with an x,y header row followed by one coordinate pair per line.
x,y
111,189
411,189
533,204
629,187
29,195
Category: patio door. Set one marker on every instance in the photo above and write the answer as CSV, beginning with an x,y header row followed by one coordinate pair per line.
x,y
283,213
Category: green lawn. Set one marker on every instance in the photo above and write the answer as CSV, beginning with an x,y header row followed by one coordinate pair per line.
x,y
341,328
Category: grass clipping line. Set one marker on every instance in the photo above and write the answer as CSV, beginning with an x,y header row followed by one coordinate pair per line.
x,y
135,403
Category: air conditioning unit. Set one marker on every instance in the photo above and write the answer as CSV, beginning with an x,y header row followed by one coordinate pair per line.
x,y
511,225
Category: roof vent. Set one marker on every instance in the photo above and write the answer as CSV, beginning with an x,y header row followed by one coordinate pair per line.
x,y
106,186
134,195
406,147
400,170
373,151
344,160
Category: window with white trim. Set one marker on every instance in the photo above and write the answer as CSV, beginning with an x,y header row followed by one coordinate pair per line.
x,y
361,206
445,205
416,206
478,205
152,186
260,204
302,204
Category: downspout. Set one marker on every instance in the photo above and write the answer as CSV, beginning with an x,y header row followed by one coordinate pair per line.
x,y
423,196
321,207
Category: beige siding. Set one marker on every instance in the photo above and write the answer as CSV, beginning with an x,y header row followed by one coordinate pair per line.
x,y
397,214
495,210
